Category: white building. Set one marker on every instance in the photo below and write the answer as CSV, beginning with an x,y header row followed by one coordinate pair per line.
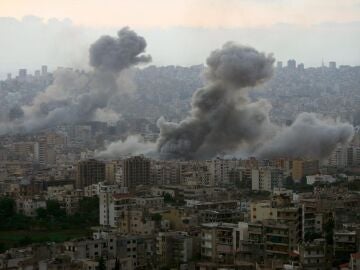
x,y
28,206
312,179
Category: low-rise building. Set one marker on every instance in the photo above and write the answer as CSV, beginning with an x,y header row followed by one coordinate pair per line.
x,y
313,256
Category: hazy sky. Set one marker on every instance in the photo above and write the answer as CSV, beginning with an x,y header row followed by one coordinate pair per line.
x,y
193,13
179,31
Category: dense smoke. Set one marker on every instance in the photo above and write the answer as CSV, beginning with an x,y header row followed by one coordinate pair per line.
x,y
132,145
115,54
223,121
308,136
78,96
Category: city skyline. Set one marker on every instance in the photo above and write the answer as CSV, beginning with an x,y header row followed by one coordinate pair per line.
x,y
305,30
180,134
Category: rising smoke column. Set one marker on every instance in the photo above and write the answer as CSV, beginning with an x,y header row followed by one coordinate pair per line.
x,y
77,96
222,119
115,54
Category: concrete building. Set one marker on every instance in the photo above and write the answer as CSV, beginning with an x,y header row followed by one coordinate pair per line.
x,y
217,242
291,64
332,65
22,73
89,172
345,243
44,70
260,211
136,252
354,263
28,205
110,172
112,206
266,179
135,221
173,248
301,168
136,171
313,256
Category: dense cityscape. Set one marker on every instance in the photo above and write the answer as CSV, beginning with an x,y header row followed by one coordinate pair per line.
x,y
242,162
62,206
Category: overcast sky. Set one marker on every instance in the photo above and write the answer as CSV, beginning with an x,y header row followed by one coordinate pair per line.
x,y
178,32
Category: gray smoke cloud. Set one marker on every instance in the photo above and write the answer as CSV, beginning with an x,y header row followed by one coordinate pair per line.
x,y
308,137
223,121
116,54
15,112
222,118
78,96
132,145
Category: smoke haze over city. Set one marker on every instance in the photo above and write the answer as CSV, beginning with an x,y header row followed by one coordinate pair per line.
x,y
182,134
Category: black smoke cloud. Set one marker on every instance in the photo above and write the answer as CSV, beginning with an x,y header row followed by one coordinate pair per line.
x,y
78,96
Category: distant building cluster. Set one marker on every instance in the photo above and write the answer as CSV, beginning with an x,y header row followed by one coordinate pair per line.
x,y
196,214
224,213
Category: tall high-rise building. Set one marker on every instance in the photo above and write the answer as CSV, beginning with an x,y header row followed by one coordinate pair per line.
x,y
332,65
41,150
22,73
136,171
303,168
44,70
266,179
89,172
291,64
110,172
301,66
279,64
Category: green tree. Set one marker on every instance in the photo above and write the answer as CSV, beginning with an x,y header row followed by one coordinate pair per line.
x,y
310,236
156,217
41,213
289,182
89,210
168,198
54,210
2,247
7,208
329,231
24,241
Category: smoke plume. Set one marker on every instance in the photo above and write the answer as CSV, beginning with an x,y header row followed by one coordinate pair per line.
x,y
224,121
115,54
308,137
222,118
132,145
78,96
